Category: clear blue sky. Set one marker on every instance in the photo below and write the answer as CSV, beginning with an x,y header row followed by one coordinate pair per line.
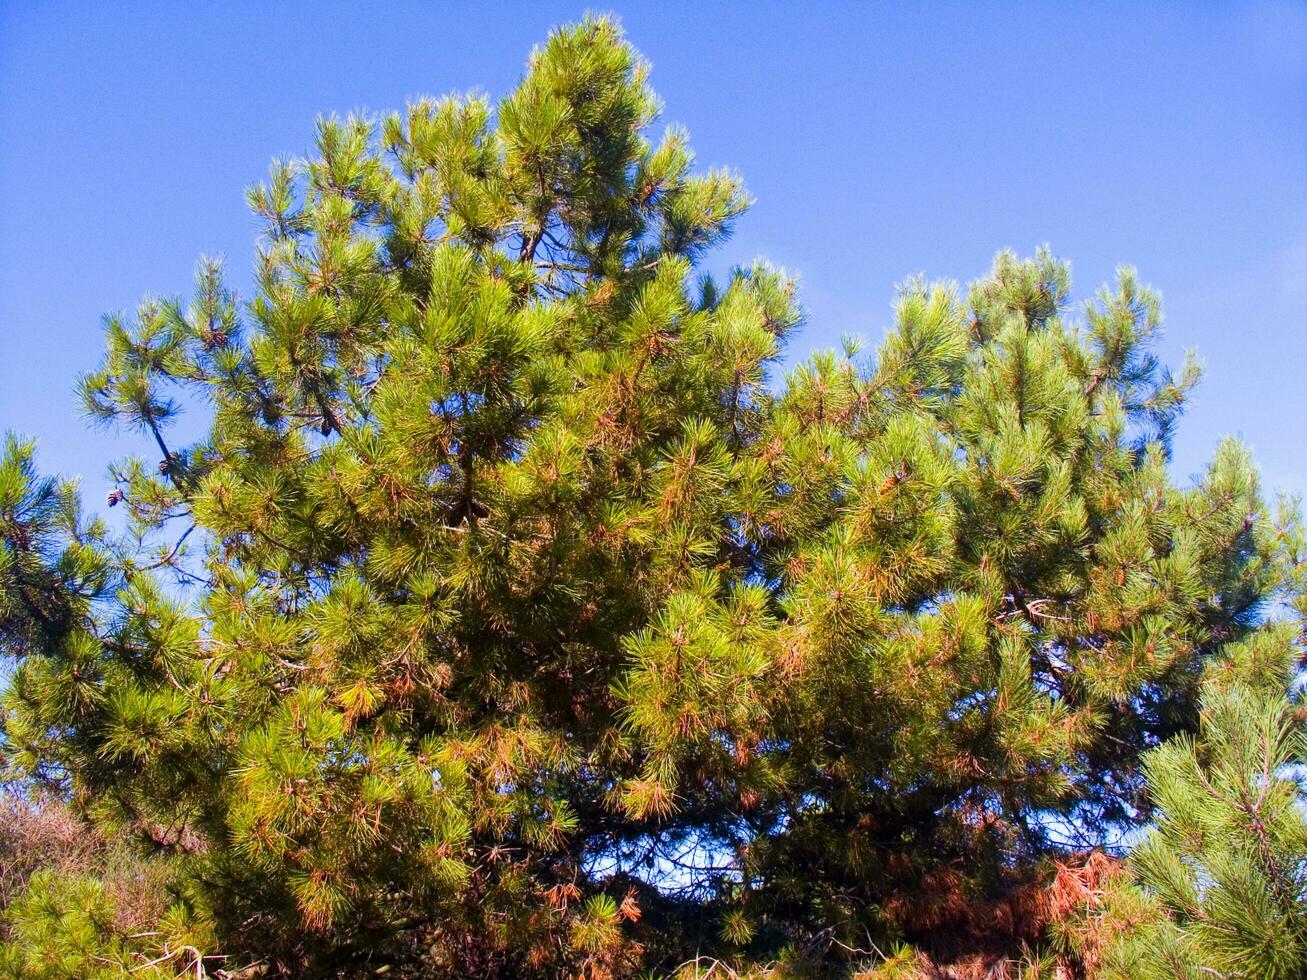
x,y
880,141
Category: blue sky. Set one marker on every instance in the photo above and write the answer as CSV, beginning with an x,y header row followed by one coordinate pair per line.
x,y
880,141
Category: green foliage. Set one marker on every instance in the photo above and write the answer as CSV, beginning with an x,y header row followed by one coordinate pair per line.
x,y
1223,877
514,618
70,927
79,904
63,927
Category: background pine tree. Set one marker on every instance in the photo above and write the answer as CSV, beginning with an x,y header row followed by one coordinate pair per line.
x,y
514,619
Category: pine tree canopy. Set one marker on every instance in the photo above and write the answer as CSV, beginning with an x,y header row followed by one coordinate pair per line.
x,y
518,616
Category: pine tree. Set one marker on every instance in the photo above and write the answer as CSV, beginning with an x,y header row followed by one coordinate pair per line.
x,y
1227,863
514,618
1219,885
993,601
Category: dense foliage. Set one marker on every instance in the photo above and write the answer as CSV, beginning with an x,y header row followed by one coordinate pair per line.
x,y
514,618
1225,871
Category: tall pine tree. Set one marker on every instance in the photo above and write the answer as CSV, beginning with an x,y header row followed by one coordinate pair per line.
x,y
515,619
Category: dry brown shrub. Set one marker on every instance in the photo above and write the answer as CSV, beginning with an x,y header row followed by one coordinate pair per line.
x,y
45,834
1073,899
964,938
35,835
